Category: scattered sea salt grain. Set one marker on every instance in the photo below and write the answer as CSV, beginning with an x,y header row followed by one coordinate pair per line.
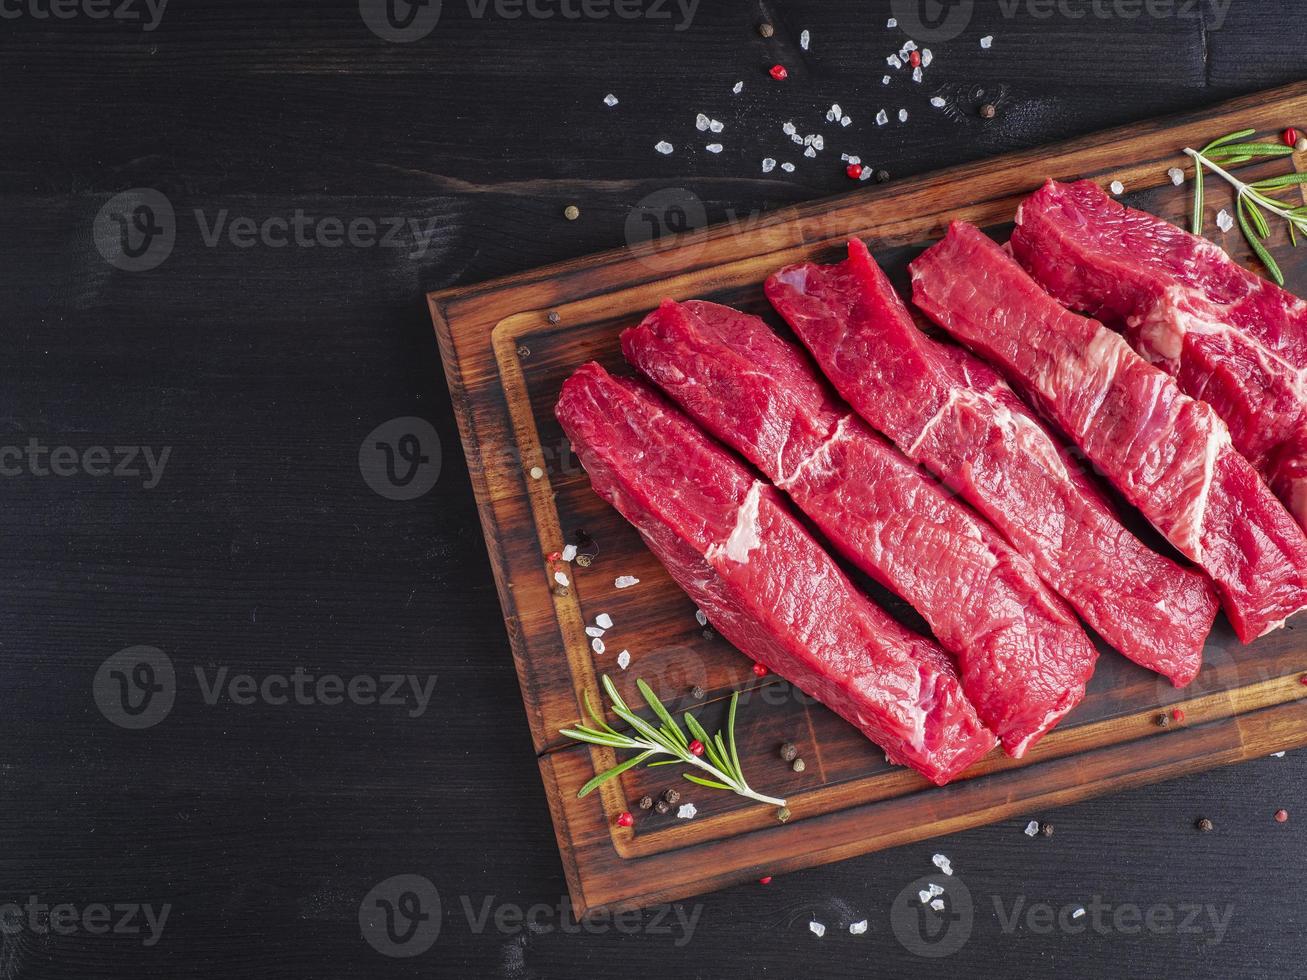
x,y
663,147
624,659
819,142
938,905
894,61
865,175
817,928
938,102
687,811
1032,828
593,631
926,894
625,581
835,110
561,579
892,23
846,121
701,122
804,40
987,41
882,117
787,167
908,48
1176,175
739,87
885,80
1223,220
943,863
768,165
926,57
916,74
903,115
569,552
604,621
597,645
810,152
850,158
1078,913
1117,187
700,617
1277,755
807,140
610,100
713,148
788,129
716,125
858,928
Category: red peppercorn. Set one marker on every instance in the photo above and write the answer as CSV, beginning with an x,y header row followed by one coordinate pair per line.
x,y
696,747
854,170
1178,715
765,881
915,59
1281,816
1303,680
554,556
625,819
1291,137
760,670
779,73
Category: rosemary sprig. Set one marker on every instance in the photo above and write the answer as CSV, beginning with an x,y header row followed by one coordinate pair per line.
x,y
721,760
1250,199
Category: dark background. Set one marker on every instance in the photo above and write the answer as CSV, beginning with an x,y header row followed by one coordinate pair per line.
x,y
262,548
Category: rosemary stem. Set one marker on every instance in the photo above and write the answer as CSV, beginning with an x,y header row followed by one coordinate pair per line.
x,y
1242,189
741,789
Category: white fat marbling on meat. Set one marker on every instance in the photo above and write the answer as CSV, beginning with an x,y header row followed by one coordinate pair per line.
x,y
1187,530
821,451
746,535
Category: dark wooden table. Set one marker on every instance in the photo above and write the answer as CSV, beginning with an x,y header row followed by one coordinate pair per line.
x,y
262,333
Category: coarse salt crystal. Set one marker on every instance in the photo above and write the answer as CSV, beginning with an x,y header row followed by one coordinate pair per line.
x,y
926,57
1176,175
804,40
768,165
892,23
882,117
903,115
807,140
830,116
625,581
569,552
1117,187
916,74
624,659
938,905
938,102
885,80
935,890
1223,220
858,928
924,896
713,148
663,147
836,111
700,617
850,158
610,99
687,811
701,122
604,620
987,41
1277,755
819,142
909,48
597,645
561,578
817,928
788,129
739,87
787,167
846,121
1032,828
865,175
716,125
943,863
894,61
797,139
1078,912
810,152
593,631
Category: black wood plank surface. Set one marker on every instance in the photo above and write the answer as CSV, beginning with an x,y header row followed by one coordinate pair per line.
x,y
181,468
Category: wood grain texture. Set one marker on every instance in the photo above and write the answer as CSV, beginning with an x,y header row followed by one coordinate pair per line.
x,y
509,344
262,548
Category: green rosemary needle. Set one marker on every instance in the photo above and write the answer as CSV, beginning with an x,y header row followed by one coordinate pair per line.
x,y
720,760
1251,199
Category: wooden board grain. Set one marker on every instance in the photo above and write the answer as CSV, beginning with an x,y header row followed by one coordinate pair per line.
x,y
507,347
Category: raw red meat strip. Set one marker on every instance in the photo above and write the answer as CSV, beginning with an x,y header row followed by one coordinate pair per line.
x,y
764,582
1228,336
1024,658
954,415
1169,454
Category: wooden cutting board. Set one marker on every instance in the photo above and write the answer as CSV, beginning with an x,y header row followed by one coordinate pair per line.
x,y
508,345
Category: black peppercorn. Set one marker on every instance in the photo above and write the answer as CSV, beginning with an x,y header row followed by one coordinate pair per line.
x,y
766,30
553,316
1046,829
1205,825
672,797
882,176
662,806
988,110
697,692
646,802
789,751
1163,721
